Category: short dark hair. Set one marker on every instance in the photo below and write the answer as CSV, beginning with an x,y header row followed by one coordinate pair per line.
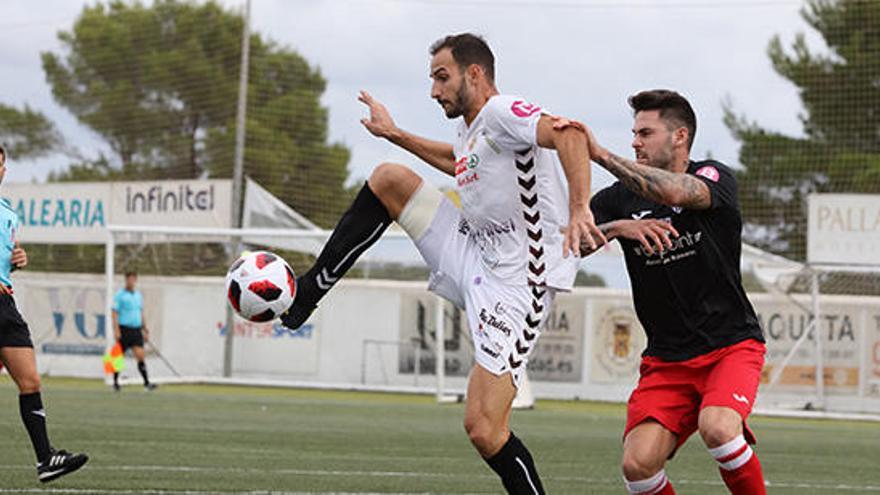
x,y
131,273
673,108
468,49
3,152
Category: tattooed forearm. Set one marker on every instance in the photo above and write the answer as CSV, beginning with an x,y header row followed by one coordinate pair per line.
x,y
607,230
658,185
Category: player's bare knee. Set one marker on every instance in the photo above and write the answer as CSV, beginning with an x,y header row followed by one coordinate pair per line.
x,y
482,435
717,430
387,177
638,465
717,435
29,384
393,184
473,425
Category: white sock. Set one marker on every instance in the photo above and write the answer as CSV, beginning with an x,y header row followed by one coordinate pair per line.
x,y
733,454
649,486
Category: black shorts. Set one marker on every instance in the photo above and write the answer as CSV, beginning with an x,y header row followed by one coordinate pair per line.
x,y
131,337
14,332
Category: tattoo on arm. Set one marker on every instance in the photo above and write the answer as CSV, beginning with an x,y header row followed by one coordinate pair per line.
x,y
658,185
606,229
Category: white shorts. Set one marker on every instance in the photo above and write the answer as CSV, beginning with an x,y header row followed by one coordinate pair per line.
x,y
505,320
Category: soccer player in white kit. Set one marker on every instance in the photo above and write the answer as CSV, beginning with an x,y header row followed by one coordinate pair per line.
x,y
502,257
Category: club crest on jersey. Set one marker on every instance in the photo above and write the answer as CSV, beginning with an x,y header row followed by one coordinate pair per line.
x,y
523,109
709,172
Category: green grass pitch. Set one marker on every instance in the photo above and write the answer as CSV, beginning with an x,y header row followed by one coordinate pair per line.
x,y
217,439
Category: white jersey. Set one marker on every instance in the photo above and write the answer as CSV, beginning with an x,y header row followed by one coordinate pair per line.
x,y
513,197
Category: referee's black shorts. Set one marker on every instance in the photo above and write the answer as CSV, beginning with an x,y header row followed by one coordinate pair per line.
x,y
131,337
14,332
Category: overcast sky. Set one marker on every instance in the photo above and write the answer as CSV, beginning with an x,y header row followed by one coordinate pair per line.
x,y
579,58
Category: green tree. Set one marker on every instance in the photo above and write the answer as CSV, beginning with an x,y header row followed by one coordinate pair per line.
x,y
840,150
27,133
587,279
159,84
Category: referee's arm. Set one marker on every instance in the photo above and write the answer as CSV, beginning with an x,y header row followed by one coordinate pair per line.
x,y
117,333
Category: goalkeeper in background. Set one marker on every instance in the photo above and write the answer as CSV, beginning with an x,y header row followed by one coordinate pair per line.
x,y
17,352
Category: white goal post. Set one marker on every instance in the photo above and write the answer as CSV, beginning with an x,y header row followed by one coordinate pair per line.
x,y
235,237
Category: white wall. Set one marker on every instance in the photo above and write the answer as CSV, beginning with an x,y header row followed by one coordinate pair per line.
x,y
590,349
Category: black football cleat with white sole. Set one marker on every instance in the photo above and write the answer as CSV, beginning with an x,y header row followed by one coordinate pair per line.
x,y
60,463
300,311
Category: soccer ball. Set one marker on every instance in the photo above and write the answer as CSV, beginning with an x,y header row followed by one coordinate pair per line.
x,y
260,286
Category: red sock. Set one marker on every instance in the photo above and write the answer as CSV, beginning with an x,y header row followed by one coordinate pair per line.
x,y
740,468
655,485
666,490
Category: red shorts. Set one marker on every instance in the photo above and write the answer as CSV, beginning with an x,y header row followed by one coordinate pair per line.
x,y
674,392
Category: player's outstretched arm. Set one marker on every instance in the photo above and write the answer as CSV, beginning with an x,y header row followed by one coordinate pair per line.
x,y
571,146
380,124
656,184
649,182
651,233
608,230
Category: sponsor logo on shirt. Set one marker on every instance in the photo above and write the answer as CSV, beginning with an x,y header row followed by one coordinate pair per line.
x,y
468,179
709,172
467,162
641,214
524,109
489,351
683,246
463,166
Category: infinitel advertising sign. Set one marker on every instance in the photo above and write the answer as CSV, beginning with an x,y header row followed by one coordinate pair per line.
x,y
76,213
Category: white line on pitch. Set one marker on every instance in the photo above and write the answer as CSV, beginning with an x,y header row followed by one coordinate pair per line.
x,y
410,474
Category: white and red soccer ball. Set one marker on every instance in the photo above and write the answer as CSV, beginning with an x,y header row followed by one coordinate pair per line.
x,y
260,286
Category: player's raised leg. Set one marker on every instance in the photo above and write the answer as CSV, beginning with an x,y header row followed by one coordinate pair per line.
x,y
51,463
645,451
380,200
487,420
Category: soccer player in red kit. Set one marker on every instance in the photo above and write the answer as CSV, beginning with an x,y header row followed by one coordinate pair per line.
x,y
679,224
